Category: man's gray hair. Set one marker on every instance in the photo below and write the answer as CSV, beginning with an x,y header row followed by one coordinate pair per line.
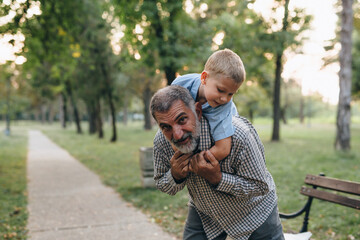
x,y
164,98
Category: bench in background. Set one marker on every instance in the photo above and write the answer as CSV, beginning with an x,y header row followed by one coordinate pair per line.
x,y
326,189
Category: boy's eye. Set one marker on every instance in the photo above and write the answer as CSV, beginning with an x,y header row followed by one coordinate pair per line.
x,y
220,90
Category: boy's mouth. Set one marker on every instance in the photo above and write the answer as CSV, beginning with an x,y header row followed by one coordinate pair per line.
x,y
216,103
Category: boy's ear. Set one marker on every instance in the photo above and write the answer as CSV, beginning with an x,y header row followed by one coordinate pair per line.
x,y
203,77
198,110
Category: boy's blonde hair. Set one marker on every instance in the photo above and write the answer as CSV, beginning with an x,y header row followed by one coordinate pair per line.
x,y
227,63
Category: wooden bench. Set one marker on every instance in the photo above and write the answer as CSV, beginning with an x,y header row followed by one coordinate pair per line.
x,y
320,190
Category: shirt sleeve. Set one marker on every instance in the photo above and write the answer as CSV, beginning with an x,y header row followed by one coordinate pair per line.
x,y
251,178
162,169
189,81
220,120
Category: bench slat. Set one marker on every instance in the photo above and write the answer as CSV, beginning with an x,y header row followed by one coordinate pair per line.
x,y
331,197
333,184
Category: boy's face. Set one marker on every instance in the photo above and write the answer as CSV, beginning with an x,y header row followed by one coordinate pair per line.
x,y
218,89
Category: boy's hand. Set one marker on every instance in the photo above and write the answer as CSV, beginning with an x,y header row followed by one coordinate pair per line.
x,y
205,165
180,165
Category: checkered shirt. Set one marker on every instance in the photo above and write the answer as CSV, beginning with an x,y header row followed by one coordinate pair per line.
x,y
245,196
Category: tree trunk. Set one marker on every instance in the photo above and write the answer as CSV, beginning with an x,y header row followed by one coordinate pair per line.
x,y
63,110
43,113
37,114
167,48
125,110
74,106
99,125
146,100
251,115
170,74
111,102
92,117
51,112
77,117
277,84
276,97
342,141
113,115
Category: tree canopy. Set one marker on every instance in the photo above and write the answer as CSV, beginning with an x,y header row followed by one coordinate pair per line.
x,y
95,56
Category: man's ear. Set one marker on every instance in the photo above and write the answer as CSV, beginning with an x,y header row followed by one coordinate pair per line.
x,y
203,77
198,110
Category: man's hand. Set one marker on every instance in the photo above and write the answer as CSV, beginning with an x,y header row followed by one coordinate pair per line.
x,y
205,165
180,165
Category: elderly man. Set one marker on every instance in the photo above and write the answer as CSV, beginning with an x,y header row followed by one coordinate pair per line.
x,y
234,197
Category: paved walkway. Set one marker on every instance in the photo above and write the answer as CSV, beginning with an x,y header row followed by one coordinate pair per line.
x,y
68,202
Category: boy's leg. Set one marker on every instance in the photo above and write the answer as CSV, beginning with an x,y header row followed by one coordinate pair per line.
x,y
271,229
194,229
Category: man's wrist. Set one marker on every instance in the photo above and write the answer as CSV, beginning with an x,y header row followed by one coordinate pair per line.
x,y
179,181
215,182
227,183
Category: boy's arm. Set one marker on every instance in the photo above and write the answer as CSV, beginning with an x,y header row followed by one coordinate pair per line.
x,y
221,149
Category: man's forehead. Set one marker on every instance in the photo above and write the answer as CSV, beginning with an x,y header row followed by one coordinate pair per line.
x,y
176,110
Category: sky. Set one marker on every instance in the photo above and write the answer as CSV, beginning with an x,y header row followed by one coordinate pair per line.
x,y
312,76
305,68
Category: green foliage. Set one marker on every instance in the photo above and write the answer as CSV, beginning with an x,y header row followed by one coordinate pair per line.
x,y
13,196
96,67
170,39
14,97
48,48
67,45
12,27
251,100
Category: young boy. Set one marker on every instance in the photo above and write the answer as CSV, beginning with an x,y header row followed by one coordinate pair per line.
x,y
223,74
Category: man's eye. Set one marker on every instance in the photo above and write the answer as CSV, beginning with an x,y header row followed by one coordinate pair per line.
x,y
182,120
165,128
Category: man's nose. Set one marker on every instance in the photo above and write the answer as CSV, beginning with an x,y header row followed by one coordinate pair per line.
x,y
178,132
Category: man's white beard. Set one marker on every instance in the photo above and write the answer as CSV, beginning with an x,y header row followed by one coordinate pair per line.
x,y
194,141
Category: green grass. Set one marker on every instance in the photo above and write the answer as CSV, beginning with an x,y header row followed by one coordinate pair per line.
x,y
303,149
13,197
310,150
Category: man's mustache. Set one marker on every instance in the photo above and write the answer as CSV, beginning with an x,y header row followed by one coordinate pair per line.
x,y
185,136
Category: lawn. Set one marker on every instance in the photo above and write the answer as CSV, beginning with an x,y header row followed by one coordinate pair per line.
x,y
13,197
303,149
